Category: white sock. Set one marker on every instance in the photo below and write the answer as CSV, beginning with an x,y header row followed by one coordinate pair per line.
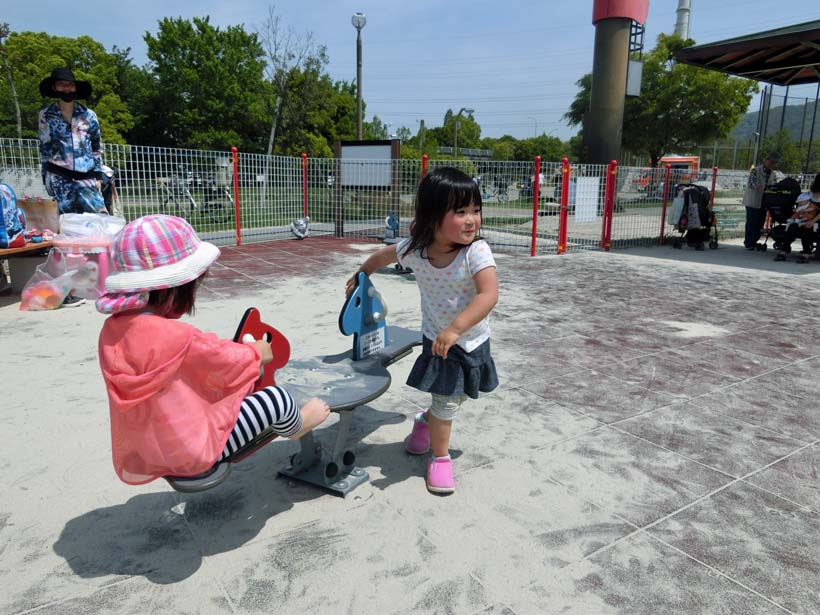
x,y
447,456
420,418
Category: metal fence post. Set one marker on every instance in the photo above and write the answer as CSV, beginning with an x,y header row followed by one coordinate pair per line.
x,y
714,183
609,205
424,159
235,156
535,204
666,179
562,218
304,185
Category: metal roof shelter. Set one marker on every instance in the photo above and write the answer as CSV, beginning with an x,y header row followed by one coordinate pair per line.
x,y
785,56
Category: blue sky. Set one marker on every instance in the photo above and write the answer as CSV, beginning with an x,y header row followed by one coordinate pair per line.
x,y
514,62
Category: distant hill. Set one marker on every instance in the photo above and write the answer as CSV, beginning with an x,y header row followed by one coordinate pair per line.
x,y
794,117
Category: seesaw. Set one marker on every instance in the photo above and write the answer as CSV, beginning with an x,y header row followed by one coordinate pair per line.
x,y
345,381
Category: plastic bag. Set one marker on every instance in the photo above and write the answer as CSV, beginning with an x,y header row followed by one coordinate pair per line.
x,y
44,291
674,214
64,272
89,229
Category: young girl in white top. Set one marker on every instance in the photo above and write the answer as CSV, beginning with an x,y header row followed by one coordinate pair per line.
x,y
456,274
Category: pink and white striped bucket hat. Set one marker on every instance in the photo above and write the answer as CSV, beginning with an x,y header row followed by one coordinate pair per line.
x,y
152,253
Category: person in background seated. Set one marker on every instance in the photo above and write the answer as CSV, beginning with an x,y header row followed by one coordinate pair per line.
x,y
803,224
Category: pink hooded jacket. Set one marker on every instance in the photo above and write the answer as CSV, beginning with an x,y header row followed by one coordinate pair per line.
x,y
174,393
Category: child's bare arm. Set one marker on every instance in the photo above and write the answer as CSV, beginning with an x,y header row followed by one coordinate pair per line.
x,y
381,258
486,282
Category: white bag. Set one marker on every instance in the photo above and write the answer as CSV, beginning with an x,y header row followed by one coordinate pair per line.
x,y
89,227
674,214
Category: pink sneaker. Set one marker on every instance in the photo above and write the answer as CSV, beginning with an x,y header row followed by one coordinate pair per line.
x,y
418,442
440,475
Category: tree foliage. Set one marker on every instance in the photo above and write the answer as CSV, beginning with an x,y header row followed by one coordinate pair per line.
x,y
679,105
315,114
205,87
285,49
209,89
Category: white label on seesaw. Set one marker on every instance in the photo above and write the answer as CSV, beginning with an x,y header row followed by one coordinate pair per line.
x,y
371,342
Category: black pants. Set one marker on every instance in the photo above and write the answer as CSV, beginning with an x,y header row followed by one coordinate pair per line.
x,y
794,231
755,217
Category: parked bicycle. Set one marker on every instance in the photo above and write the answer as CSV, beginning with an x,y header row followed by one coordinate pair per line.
x,y
496,188
216,205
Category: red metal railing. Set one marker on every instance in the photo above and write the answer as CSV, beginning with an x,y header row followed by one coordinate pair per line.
x,y
562,218
535,195
666,179
235,156
304,185
609,204
714,182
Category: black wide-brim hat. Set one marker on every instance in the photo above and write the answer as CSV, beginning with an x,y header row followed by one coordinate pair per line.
x,y
63,74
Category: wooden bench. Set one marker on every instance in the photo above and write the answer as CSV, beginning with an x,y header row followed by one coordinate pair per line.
x,y
41,214
23,262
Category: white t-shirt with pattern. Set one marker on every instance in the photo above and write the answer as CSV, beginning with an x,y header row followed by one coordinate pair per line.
x,y
447,291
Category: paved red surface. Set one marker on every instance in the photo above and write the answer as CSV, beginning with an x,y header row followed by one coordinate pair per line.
x,y
257,266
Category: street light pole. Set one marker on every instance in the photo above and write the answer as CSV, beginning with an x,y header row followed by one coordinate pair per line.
x,y
455,132
535,129
358,20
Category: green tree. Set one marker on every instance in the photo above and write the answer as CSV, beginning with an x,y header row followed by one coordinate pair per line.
x,y
469,131
31,56
374,129
679,105
548,147
316,113
209,89
285,49
502,148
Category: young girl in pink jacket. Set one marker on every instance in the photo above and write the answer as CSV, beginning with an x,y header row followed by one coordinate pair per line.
x,y
180,399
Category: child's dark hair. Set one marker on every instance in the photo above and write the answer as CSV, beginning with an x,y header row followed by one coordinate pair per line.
x,y
441,190
815,185
175,301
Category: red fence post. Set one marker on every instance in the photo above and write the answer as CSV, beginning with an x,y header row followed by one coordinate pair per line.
x,y
535,204
562,218
304,186
714,182
424,159
235,156
666,179
609,205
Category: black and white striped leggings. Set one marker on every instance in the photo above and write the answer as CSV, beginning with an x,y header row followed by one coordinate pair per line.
x,y
269,407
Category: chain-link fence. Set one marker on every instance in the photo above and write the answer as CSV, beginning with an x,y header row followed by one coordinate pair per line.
x,y
253,197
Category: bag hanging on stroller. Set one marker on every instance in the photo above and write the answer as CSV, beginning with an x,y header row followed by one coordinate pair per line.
x,y
696,219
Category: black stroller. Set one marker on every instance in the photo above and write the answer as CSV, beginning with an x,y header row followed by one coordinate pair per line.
x,y
778,200
696,219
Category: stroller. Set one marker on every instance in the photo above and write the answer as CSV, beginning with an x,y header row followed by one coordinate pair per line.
x,y
778,202
696,220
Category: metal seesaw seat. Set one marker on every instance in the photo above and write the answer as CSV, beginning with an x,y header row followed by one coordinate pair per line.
x,y
345,381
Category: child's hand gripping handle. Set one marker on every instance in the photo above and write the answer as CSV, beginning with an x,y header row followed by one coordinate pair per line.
x,y
273,347
249,339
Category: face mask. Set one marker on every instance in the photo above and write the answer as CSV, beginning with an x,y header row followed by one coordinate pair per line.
x,y
67,96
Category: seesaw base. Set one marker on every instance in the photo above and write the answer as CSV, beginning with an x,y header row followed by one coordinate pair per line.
x,y
336,472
